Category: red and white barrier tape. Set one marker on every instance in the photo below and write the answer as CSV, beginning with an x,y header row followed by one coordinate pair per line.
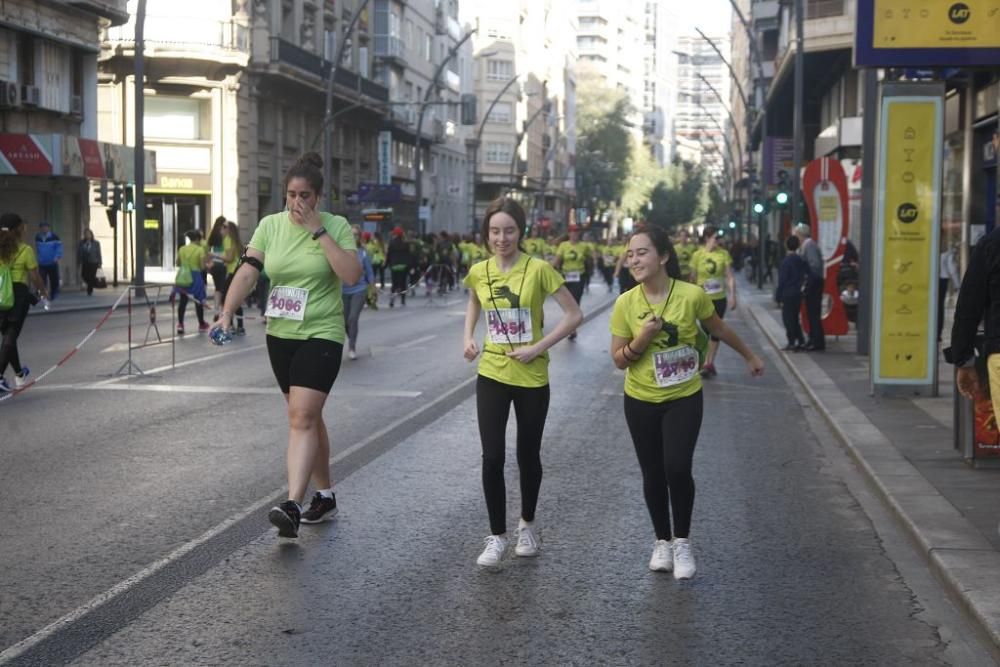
x,y
69,354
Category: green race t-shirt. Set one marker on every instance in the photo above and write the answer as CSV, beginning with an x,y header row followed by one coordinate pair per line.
x,y
513,306
295,263
23,261
684,253
192,256
535,247
573,256
668,367
710,269
227,243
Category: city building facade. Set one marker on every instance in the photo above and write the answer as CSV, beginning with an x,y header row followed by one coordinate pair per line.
x,y
524,142
703,90
49,117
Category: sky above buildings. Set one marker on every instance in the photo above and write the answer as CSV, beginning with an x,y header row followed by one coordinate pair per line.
x,y
711,16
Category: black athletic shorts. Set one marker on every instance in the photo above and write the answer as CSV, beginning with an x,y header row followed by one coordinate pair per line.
x,y
312,363
720,309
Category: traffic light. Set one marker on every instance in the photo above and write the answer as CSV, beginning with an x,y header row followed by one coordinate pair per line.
x,y
781,196
758,207
101,193
116,198
129,197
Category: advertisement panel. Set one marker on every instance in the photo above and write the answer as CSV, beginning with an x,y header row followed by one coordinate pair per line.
x,y
929,33
824,187
907,222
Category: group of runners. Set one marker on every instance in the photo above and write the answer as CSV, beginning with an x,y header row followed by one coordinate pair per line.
x,y
657,336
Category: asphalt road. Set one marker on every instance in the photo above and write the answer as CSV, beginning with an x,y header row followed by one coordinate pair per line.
x,y
101,481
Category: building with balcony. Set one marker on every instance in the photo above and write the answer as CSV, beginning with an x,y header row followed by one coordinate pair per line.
x,y
703,87
234,94
525,84
49,116
413,41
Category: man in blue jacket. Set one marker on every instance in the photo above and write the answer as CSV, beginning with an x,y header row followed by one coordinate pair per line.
x,y
49,249
792,275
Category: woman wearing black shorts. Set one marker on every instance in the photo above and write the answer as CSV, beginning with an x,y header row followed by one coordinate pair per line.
x,y
307,255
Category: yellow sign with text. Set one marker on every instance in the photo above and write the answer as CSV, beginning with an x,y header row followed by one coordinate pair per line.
x,y
936,24
907,228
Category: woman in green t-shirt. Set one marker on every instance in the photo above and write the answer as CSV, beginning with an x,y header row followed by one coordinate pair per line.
x,y
512,287
307,255
712,270
18,261
655,340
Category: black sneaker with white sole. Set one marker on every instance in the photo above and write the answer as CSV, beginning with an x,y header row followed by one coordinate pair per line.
x,y
285,517
320,509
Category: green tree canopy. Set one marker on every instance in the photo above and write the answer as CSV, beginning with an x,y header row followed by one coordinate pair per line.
x,y
604,144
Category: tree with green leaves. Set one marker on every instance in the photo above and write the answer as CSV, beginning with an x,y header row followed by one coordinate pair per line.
x,y
604,143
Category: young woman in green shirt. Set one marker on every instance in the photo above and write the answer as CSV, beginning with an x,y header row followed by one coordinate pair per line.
x,y
655,340
307,255
511,286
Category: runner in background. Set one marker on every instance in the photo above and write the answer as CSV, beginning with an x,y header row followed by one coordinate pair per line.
x,y
570,259
655,340
217,252
19,265
607,260
232,243
376,251
512,287
685,250
192,257
712,270
307,254
535,245
399,259
356,295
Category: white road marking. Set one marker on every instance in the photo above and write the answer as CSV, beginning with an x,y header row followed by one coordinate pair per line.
x,y
182,364
416,341
124,586
203,389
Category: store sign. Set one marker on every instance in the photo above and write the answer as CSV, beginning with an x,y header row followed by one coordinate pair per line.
x,y
929,33
26,154
384,158
179,183
67,155
907,226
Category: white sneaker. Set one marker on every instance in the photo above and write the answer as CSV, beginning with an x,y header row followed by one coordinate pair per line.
x,y
663,557
527,539
352,354
21,380
493,553
683,559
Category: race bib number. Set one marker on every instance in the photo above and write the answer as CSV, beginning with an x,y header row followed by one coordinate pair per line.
x,y
675,366
287,303
509,325
713,286
572,276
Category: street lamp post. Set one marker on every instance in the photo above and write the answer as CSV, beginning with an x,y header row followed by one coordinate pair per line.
x,y
524,131
331,78
474,144
418,162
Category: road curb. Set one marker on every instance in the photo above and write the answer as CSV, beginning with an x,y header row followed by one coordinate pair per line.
x,y
963,560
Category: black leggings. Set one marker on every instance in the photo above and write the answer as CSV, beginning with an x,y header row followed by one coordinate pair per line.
x,y
182,305
399,282
531,405
576,289
664,435
11,323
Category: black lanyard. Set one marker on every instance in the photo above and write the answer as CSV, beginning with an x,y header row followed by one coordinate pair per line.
x,y
520,291
665,303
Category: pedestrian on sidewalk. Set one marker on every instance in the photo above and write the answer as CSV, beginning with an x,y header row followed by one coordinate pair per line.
x,y
355,296
791,277
192,260
712,271
813,293
49,249
978,300
655,340
88,254
19,266
307,254
512,287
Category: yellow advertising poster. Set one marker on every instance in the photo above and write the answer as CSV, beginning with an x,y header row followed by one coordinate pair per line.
x,y
907,224
928,24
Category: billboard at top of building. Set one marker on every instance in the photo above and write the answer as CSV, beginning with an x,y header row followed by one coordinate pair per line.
x,y
928,33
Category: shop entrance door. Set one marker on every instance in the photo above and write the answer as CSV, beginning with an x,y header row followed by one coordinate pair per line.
x,y
176,215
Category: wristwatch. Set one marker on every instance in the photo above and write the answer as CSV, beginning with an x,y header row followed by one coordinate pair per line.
x,y
318,233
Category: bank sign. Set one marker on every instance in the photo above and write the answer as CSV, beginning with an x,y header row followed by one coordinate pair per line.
x,y
928,33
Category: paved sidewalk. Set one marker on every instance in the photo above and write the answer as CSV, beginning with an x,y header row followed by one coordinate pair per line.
x,y
77,300
905,447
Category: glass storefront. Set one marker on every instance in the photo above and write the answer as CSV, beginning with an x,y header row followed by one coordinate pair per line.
x,y
168,219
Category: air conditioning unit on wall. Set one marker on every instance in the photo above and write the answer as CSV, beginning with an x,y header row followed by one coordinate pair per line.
x,y
31,96
10,94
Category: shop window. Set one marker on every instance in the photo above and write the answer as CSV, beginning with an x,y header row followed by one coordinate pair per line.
x,y
173,117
